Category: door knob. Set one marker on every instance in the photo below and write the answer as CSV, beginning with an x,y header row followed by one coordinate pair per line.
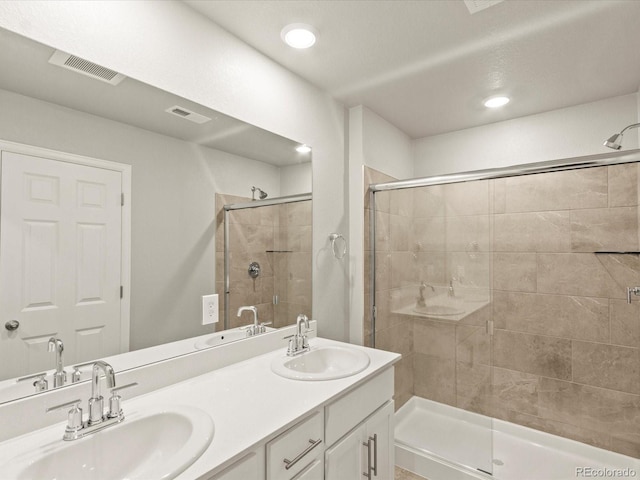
x,y
12,325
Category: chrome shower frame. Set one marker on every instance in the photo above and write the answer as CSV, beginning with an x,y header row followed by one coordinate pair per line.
x,y
575,163
242,206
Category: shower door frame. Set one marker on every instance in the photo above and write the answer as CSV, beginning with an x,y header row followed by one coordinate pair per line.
x,y
575,163
303,197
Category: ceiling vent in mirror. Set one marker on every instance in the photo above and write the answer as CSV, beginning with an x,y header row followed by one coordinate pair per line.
x,y
85,67
187,114
474,6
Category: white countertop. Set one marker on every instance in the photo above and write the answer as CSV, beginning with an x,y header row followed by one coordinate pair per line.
x,y
248,403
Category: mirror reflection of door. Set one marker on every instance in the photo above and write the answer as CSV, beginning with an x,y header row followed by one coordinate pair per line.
x,y
60,262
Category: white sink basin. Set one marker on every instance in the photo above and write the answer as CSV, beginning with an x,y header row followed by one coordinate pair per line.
x,y
322,363
154,445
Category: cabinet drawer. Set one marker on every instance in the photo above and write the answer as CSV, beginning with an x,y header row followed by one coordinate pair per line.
x,y
296,448
351,409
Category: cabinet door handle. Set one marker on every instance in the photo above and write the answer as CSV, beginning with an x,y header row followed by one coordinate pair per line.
x,y
371,468
291,463
374,439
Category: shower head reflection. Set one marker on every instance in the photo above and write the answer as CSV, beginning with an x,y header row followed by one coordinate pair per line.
x,y
615,140
262,194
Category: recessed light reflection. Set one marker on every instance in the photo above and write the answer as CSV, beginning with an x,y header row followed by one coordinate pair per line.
x,y
303,149
298,35
496,102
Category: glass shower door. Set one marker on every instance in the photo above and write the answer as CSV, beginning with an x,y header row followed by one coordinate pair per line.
x,y
432,300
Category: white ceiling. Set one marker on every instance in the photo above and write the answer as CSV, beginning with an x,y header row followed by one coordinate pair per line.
x,y
426,65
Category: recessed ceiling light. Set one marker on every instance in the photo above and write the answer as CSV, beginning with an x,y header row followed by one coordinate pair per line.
x,y
303,149
496,102
298,35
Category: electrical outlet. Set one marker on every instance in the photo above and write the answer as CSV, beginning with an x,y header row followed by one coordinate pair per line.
x,y
209,309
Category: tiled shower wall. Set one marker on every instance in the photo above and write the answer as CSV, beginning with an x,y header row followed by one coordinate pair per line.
x,y
565,353
278,237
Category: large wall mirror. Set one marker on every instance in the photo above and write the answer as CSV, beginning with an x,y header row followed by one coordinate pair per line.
x,y
178,165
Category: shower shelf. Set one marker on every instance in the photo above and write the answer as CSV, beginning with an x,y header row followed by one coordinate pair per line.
x,y
612,252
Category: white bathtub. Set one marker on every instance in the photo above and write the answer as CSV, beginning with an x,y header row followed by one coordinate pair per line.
x,y
441,442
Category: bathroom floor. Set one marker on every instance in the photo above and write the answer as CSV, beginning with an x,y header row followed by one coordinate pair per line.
x,y
402,474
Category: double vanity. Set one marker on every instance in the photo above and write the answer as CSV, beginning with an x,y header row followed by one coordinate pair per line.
x,y
243,410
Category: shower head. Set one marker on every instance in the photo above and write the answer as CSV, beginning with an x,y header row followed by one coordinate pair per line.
x,y
262,193
615,141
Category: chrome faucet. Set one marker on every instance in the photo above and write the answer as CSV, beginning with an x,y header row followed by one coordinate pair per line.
x,y
298,343
420,301
256,328
451,292
97,420
60,377
96,402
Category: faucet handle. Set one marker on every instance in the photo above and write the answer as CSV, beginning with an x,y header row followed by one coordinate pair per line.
x,y
115,409
74,417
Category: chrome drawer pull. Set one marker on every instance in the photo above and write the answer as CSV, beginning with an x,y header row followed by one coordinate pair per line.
x,y
291,463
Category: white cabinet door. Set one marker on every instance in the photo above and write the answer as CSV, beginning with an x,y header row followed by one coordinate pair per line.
x,y
247,468
346,459
366,452
379,435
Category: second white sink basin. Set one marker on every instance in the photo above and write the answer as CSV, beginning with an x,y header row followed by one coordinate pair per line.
x,y
159,445
322,363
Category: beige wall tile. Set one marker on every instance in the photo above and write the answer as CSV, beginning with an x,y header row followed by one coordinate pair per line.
x,y
603,410
401,203
604,229
535,354
403,379
469,269
428,234
473,345
532,232
499,195
516,391
582,318
434,338
467,233
625,323
623,185
606,366
572,189
626,447
404,270
431,268
399,229
397,338
383,232
473,388
576,274
467,198
624,269
516,272
435,378
429,201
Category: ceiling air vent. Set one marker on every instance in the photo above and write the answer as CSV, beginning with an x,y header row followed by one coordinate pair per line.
x,y
474,6
187,114
90,69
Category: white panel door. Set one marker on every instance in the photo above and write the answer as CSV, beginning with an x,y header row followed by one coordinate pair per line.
x,y
60,261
